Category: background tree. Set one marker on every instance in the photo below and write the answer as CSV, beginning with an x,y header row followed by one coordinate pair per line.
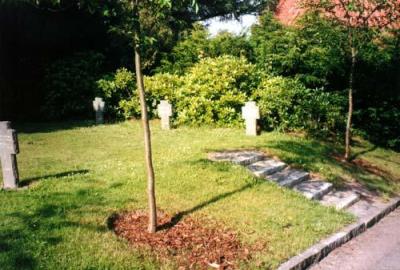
x,y
197,43
309,50
363,20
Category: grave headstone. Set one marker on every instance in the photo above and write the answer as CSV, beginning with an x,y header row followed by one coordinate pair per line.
x,y
251,113
8,150
165,112
98,106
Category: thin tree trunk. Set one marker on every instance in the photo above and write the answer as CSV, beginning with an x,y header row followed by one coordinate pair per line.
x,y
152,227
350,112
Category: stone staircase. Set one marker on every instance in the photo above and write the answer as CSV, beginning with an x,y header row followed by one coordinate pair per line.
x,y
277,171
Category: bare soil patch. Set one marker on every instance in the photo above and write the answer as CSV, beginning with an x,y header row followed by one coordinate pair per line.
x,y
186,241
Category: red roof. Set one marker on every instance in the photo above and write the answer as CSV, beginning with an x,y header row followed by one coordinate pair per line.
x,y
288,11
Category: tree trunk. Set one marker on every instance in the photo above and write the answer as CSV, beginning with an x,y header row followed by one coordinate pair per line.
x,y
350,112
146,128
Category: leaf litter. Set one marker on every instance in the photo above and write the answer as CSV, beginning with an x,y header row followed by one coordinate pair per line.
x,y
186,241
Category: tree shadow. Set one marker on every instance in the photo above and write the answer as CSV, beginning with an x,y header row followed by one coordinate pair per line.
x,y
28,181
42,225
178,217
371,149
310,156
47,127
209,164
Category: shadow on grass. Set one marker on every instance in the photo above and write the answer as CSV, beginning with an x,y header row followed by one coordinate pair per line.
x,y
311,154
371,149
47,127
206,163
47,224
29,181
178,217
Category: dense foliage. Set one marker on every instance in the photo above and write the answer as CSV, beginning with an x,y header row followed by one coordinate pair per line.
x,y
311,51
196,44
70,85
286,104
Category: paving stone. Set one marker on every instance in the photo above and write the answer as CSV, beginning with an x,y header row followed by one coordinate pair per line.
x,y
363,208
289,177
314,189
340,199
266,167
237,157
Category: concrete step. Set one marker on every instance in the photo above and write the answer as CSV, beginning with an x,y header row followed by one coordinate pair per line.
x,y
266,167
314,189
238,157
289,177
340,199
364,209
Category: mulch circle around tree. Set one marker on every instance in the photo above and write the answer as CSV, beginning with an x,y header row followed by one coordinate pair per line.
x,y
184,240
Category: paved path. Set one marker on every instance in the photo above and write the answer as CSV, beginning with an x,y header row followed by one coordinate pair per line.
x,y
376,249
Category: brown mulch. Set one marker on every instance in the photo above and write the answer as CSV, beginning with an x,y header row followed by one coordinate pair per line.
x,y
186,241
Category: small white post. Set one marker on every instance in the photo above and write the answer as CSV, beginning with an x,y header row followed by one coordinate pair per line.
x,y
251,113
98,106
164,112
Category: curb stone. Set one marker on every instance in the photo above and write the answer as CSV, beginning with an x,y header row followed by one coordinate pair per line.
x,y
320,250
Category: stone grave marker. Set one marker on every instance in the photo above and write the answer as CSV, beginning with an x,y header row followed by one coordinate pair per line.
x,y
98,106
251,113
165,112
8,150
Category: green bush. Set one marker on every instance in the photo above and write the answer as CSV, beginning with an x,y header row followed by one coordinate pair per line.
x,y
214,90
286,104
120,93
70,86
118,90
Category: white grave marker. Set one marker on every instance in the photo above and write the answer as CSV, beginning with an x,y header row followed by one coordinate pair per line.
x,y
165,112
251,113
98,106
8,150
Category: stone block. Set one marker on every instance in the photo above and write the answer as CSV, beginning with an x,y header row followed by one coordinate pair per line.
x,y
266,167
340,199
289,177
237,157
314,190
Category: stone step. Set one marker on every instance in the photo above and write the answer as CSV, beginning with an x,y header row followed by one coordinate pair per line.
x,y
362,209
314,189
340,199
289,177
238,157
266,167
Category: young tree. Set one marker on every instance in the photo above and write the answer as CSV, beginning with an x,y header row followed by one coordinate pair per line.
x,y
126,17
157,7
363,20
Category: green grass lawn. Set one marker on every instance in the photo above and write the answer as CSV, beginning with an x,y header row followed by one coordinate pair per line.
x,y
79,175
